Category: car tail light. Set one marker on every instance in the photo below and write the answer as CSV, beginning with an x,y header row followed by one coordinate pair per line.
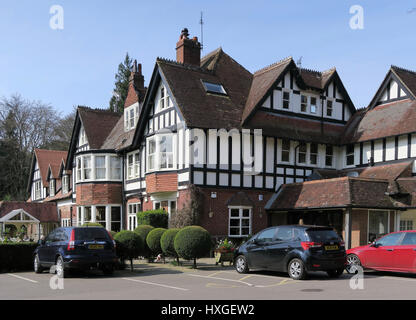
x,y
71,243
342,244
306,245
111,237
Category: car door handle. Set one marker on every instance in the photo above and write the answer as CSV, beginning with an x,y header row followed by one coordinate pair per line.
x,y
390,249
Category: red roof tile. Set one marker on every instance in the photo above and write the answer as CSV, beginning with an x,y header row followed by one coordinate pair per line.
x,y
44,212
52,158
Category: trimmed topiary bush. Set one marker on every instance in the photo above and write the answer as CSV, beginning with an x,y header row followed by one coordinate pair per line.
x,y
155,218
153,240
92,224
129,246
192,243
143,231
167,243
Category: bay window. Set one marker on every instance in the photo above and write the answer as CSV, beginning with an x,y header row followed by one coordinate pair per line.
x,y
79,169
100,215
115,219
99,167
166,152
151,154
239,221
137,165
314,106
87,167
160,153
115,168
130,164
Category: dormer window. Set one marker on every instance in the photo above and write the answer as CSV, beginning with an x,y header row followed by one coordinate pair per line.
x,y
82,137
215,88
131,116
164,101
286,99
329,106
65,184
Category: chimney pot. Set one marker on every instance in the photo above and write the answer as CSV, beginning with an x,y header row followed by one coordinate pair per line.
x,y
188,51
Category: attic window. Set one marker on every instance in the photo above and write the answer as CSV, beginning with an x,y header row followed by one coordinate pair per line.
x,y
214,88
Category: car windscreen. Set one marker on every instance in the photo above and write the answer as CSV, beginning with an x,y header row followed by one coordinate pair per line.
x,y
322,235
91,234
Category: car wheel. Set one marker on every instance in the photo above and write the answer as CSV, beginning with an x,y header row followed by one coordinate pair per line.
x,y
241,264
36,265
108,269
296,269
60,270
352,263
335,273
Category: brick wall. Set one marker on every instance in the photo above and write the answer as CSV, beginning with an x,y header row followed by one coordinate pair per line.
x,y
99,193
161,182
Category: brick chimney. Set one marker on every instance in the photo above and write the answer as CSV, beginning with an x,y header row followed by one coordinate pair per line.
x,y
188,51
136,86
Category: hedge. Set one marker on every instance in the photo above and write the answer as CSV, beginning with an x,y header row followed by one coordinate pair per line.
x,y
155,218
192,243
167,243
153,240
143,231
16,256
129,245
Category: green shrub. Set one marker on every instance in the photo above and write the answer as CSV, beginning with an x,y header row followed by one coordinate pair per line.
x,y
153,240
92,224
16,256
143,231
167,243
129,245
155,218
192,243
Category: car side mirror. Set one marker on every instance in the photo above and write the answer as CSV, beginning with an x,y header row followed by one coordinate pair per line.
x,y
375,245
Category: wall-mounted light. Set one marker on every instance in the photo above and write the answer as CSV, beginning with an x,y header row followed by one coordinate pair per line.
x,y
260,197
210,214
213,195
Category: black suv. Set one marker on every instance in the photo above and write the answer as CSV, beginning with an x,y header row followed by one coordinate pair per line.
x,y
76,248
293,249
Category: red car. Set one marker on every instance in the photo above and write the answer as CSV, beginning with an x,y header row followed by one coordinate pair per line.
x,y
394,252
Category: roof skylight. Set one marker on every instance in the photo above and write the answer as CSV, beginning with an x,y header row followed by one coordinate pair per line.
x,y
214,88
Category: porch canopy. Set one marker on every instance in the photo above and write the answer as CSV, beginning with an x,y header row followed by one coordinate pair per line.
x,y
38,218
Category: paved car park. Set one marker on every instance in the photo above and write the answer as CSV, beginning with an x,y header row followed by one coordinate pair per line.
x,y
165,282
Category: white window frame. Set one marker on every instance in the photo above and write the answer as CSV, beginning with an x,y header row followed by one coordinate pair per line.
x,y
306,153
310,154
349,154
136,164
288,99
130,166
304,104
100,168
330,108
65,222
52,187
329,155
65,184
316,105
240,218
405,225
113,169
38,190
285,150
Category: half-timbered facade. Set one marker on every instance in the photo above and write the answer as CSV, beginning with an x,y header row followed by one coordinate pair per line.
x,y
241,138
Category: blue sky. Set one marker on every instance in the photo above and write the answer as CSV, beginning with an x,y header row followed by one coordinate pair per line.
x,y
76,65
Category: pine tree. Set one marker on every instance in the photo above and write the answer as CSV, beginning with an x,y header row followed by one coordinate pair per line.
x,y
121,85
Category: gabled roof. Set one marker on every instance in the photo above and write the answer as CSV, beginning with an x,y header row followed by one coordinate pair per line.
x,y
387,120
267,78
48,159
408,78
98,124
332,193
44,212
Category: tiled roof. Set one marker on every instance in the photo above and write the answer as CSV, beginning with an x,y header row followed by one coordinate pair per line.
x,y
385,120
282,126
118,139
52,158
44,212
98,124
199,108
58,196
332,193
407,76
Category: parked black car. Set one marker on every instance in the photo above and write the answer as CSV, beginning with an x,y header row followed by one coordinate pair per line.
x,y
294,249
76,248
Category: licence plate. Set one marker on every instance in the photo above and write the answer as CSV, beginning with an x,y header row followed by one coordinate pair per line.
x,y
96,246
331,248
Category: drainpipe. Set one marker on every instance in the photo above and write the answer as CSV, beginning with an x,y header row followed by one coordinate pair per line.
x,y
296,158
